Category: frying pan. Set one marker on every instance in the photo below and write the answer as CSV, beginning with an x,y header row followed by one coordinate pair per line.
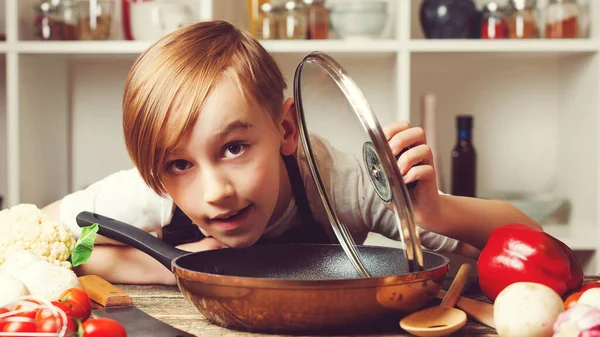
x,y
294,288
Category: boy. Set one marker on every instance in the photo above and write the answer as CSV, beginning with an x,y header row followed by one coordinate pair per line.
x,y
214,143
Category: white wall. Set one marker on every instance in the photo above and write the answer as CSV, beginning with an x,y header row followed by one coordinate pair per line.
x,y
3,139
97,142
515,133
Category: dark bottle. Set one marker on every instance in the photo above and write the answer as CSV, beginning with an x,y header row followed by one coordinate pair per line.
x,y
464,159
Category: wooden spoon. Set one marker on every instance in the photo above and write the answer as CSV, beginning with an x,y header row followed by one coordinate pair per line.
x,y
482,312
444,319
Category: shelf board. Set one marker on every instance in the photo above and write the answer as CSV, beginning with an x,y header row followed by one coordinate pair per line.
x,y
332,46
137,47
81,47
504,46
350,46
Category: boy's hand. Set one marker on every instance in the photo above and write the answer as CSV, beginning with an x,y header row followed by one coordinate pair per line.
x,y
202,245
415,164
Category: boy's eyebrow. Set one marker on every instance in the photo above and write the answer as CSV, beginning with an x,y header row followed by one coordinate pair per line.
x,y
232,127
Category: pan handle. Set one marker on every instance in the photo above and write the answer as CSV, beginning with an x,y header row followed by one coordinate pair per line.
x,y
132,236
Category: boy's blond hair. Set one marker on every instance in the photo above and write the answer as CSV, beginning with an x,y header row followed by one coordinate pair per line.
x,y
169,83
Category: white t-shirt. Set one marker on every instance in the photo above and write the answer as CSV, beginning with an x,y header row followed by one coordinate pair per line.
x,y
124,196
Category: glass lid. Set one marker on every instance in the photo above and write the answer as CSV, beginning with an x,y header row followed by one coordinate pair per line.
x,y
338,127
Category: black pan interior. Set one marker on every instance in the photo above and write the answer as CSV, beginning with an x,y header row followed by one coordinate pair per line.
x,y
303,262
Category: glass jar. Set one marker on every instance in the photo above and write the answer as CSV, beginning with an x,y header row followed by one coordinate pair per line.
x,y
493,25
47,23
292,23
318,19
95,19
69,20
562,19
254,12
267,22
523,20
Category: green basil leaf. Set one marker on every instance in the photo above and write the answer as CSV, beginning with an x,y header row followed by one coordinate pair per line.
x,y
84,246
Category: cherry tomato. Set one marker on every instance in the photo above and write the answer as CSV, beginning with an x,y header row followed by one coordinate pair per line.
x,y
29,309
78,302
47,312
2,312
589,285
19,327
103,327
572,299
54,324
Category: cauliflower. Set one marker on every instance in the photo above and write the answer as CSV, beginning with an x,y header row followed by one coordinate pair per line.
x,y
12,289
24,227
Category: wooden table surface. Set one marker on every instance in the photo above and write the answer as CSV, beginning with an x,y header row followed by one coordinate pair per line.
x,y
167,304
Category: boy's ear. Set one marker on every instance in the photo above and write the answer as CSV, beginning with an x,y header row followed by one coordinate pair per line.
x,y
288,128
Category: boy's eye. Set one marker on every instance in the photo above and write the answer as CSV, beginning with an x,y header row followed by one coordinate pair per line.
x,y
178,166
234,150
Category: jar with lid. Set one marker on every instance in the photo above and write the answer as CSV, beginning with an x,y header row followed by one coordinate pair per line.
x,y
48,25
292,23
318,19
562,19
254,12
267,22
69,20
95,19
523,19
493,25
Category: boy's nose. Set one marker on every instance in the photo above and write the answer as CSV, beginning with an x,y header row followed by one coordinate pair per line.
x,y
217,190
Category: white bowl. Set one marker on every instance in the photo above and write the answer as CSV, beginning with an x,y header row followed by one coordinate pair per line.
x,y
359,19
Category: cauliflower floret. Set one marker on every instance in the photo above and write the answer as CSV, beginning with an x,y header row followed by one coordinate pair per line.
x,y
12,289
24,227
46,280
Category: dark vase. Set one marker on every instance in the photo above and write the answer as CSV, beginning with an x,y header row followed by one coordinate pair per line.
x,y
448,19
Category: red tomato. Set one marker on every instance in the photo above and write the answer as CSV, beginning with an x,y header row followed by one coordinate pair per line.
x,y
589,285
78,302
19,327
103,327
572,299
47,312
2,311
54,324
29,309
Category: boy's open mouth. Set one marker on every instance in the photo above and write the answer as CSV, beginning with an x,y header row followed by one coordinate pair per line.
x,y
231,220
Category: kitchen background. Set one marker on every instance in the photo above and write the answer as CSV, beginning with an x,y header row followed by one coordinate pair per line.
x,y
527,72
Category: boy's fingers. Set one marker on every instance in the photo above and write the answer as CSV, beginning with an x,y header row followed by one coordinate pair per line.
x,y
410,137
420,154
393,128
420,172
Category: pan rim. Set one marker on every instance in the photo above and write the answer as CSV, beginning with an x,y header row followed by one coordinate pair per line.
x,y
279,283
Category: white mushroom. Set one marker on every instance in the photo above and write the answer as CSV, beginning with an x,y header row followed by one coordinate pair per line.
x,y
46,280
526,309
17,261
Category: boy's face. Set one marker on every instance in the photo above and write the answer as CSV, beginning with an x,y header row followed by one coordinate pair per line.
x,y
227,175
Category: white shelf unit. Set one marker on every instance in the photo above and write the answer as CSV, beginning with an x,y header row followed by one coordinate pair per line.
x,y
536,105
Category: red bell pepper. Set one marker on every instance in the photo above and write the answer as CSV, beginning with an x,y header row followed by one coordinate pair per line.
x,y
520,253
